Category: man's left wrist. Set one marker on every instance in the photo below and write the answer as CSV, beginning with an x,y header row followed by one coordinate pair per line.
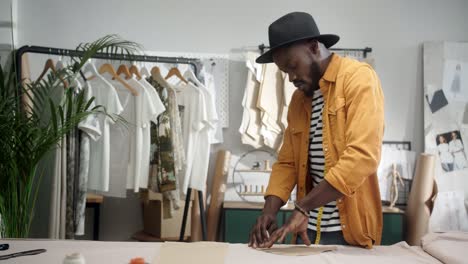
x,y
301,209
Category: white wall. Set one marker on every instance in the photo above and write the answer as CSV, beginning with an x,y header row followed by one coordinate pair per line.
x,y
394,29
6,25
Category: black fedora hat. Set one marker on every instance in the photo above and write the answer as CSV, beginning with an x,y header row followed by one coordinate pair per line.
x,y
291,28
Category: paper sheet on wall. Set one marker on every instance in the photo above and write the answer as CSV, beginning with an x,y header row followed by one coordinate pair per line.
x,y
449,213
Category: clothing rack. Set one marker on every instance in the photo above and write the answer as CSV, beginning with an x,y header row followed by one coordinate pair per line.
x,y
195,63
364,51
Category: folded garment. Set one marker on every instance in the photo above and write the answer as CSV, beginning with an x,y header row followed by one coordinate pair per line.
x,y
449,247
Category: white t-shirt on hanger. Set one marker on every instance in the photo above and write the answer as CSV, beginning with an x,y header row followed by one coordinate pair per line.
x,y
146,147
122,135
144,111
206,135
105,95
217,136
191,102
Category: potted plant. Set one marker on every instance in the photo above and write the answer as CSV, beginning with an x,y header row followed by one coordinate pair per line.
x,y
26,137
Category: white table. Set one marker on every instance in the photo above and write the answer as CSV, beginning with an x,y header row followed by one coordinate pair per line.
x,y
122,252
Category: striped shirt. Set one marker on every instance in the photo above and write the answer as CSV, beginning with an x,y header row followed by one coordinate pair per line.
x,y
330,218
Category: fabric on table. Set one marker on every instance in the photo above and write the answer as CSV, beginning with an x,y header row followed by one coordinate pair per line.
x,y
447,247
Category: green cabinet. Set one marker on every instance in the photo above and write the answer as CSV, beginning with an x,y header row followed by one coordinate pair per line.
x,y
393,228
237,222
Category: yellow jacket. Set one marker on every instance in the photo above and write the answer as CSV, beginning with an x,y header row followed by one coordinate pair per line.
x,y
353,126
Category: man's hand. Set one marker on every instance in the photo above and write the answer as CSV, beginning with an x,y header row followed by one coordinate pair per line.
x,y
260,233
297,223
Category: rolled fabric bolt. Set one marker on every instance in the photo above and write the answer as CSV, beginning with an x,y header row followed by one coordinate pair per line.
x,y
245,188
256,188
250,188
263,189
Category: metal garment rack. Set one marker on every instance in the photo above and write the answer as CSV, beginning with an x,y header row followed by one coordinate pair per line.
x,y
195,63
364,51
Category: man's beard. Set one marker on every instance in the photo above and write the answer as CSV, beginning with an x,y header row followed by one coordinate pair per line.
x,y
314,75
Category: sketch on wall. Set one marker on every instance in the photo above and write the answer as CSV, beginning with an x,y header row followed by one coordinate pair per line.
x,y
455,80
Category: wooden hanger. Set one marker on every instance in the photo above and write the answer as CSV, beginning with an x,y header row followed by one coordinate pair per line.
x,y
107,68
49,65
175,72
156,73
124,69
134,71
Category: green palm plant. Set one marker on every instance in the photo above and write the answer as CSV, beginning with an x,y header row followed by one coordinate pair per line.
x,y
26,136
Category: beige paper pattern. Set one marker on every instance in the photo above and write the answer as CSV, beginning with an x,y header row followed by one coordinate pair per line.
x,y
193,253
294,250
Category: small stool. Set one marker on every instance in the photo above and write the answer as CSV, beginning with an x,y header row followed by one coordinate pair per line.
x,y
94,201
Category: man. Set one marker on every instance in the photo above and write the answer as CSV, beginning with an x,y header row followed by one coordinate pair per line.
x,y
331,147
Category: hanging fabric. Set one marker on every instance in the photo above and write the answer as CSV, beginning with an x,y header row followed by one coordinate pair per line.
x,y
162,169
251,118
